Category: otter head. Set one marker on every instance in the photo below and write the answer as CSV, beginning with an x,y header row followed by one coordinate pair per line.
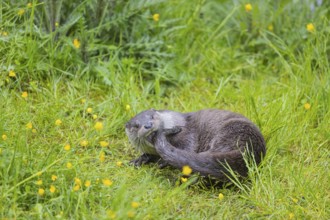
x,y
141,130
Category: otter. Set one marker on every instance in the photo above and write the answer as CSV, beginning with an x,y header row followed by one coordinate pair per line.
x,y
208,141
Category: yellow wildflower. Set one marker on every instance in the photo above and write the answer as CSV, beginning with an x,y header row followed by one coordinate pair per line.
x,y
67,147
29,5
98,126
39,182
34,130
248,7
76,188
130,214
4,33
39,173
52,189
107,182
119,163
41,192
111,214
310,27
83,101
24,95
270,27
221,196
128,107
21,12
89,110
12,74
135,204
4,137
155,17
102,157
291,215
56,24
104,143
307,106
183,179
76,43
294,200
69,165
77,181
94,117
58,122
29,125
84,143
54,177
87,183
186,170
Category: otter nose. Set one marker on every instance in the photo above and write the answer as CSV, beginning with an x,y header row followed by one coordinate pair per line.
x,y
148,125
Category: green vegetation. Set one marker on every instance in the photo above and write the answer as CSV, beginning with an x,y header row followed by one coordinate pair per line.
x,y
73,72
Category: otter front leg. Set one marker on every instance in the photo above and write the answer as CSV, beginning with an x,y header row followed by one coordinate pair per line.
x,y
145,159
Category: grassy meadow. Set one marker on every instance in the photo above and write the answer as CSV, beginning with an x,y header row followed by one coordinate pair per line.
x,y
72,73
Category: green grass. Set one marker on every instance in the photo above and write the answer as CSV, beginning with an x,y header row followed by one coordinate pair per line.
x,y
200,54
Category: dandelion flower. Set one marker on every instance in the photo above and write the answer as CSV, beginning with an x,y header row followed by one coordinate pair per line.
x,y
102,157
77,181
307,106
119,163
83,101
104,143
29,125
135,204
111,214
76,187
98,126
87,183
24,95
34,130
128,107
52,189
21,12
310,27
186,170
12,74
84,143
41,191
67,147
107,182
89,110
39,182
294,200
183,179
4,137
95,117
58,122
39,173
69,165
221,196
248,7
76,43
291,215
155,17
54,177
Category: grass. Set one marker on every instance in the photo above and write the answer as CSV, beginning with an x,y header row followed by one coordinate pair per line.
x,y
200,54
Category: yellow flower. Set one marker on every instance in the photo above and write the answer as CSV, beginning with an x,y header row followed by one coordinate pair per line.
x,y
130,214
221,196
67,147
39,182
102,157
155,17
310,27
94,117
29,125
307,106
83,101
76,43
54,177
58,122
29,5
4,33
4,137
270,27
248,7
291,215
56,24
87,183
89,110
294,200
186,170
104,143
69,165
119,163
183,179
39,173
107,182
128,107
34,130
24,94
12,74
135,204
52,189
76,188
98,126
41,192
84,143
21,12
111,214
77,181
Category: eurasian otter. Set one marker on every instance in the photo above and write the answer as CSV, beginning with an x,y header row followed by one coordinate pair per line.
x,y
206,140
